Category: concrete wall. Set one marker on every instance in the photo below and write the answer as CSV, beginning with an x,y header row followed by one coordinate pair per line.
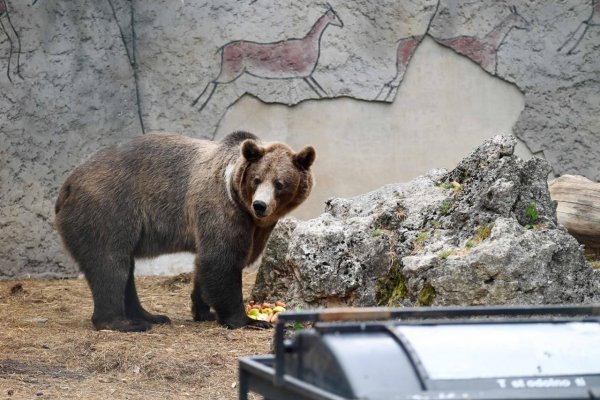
x,y
398,88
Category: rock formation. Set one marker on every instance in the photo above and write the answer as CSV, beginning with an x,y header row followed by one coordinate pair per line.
x,y
485,232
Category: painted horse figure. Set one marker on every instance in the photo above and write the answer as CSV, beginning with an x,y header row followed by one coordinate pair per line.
x,y
286,59
484,51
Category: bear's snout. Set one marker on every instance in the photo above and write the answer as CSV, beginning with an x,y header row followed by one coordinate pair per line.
x,y
263,202
260,207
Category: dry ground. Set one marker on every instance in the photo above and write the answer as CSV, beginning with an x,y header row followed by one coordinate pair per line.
x,y
48,348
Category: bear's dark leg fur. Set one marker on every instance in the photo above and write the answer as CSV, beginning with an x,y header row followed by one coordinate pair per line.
x,y
133,309
107,278
200,309
219,265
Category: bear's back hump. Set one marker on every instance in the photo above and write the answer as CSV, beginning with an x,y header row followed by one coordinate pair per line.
x,y
236,138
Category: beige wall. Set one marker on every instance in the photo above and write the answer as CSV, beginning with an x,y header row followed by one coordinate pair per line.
x,y
446,106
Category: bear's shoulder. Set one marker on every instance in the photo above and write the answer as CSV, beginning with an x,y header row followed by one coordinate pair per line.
x,y
235,138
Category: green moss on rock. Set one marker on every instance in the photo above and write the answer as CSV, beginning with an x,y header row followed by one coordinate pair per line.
x,y
390,289
426,295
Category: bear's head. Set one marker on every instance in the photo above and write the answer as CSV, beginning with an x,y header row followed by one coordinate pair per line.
x,y
272,179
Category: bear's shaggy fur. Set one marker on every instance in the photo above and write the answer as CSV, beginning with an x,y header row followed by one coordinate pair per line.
x,y
164,193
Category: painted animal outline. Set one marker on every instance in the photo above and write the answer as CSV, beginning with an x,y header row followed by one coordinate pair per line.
x,y
484,51
593,20
295,58
4,14
405,48
404,52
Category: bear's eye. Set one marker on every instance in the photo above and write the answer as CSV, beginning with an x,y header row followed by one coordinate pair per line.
x,y
278,185
256,181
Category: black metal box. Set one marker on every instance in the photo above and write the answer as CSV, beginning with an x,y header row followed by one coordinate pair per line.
x,y
543,352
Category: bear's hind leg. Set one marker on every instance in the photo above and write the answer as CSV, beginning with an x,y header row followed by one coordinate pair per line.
x,y
133,308
107,278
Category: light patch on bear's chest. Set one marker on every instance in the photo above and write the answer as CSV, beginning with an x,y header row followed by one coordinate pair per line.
x,y
228,177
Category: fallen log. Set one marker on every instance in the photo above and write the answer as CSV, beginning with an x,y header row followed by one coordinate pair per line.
x,y
578,207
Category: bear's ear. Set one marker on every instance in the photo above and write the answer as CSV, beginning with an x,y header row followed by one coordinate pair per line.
x,y
251,150
305,158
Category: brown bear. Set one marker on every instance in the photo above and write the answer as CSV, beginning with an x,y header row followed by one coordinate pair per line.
x,y
164,193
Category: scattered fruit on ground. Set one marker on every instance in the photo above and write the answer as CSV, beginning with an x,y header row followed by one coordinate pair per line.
x,y
264,311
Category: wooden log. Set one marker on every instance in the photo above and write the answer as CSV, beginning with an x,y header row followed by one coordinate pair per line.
x,y
578,207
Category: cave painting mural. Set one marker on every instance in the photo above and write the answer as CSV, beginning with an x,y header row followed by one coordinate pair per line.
x,y
483,50
5,22
578,34
286,59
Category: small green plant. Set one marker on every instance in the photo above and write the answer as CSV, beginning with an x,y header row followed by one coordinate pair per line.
x,y
376,233
422,237
420,241
436,224
532,213
445,208
444,254
457,187
482,233
297,325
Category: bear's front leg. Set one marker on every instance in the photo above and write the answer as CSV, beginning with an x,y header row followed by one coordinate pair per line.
x,y
218,282
200,309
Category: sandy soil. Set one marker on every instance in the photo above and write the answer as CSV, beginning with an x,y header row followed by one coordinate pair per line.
x,y
48,348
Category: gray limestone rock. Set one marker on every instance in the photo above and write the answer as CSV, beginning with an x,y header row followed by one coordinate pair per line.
x,y
483,233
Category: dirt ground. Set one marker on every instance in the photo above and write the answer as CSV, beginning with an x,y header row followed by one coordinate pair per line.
x,y
49,349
